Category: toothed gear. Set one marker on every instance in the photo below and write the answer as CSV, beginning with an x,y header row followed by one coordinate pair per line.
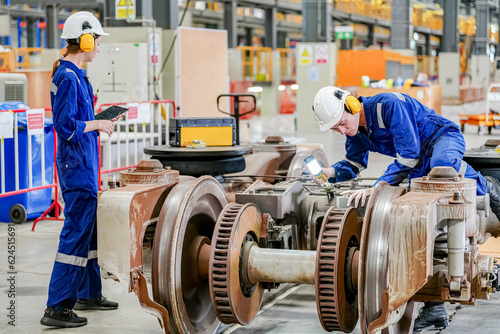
x,y
232,300
337,306
219,266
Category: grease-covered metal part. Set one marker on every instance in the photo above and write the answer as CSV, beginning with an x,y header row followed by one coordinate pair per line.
x,y
401,232
372,276
123,216
275,199
445,180
277,144
148,171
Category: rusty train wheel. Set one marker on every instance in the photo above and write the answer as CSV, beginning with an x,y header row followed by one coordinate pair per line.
x,y
234,302
336,297
373,261
186,222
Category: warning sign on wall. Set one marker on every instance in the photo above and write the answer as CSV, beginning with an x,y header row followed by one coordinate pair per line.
x,y
321,54
305,53
121,9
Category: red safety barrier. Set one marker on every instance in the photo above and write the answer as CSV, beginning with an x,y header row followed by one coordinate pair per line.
x,y
16,161
114,170
55,205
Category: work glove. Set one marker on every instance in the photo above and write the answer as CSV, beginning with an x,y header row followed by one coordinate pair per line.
x,y
361,194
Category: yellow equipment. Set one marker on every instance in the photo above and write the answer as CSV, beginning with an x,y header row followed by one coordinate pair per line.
x,y
214,131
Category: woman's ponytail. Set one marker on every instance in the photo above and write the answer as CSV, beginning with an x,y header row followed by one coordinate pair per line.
x,y
70,48
57,62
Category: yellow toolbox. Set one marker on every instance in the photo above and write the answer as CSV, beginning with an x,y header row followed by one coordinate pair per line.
x,y
212,131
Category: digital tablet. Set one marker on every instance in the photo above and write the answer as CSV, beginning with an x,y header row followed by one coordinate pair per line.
x,y
111,113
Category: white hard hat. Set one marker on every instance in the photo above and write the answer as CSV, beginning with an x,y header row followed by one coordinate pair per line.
x,y
81,23
328,106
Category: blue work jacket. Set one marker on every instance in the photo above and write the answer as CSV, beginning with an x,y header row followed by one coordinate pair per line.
x,y
72,96
399,126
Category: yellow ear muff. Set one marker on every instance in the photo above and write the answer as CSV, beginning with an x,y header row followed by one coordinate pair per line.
x,y
352,104
87,42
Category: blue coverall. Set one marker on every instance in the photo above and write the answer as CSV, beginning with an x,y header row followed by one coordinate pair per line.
x,y
75,273
400,126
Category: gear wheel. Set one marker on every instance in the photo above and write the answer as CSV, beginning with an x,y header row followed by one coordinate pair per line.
x,y
220,265
336,303
232,300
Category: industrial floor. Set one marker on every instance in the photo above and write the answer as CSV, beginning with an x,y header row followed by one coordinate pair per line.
x,y
292,311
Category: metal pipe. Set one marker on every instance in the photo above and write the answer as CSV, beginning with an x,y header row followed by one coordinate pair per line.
x,y
19,35
52,12
25,190
108,145
136,161
127,142
118,145
280,265
16,151
30,160
456,236
42,149
143,127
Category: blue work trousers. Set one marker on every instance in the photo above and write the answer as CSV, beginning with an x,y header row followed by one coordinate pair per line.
x,y
449,151
76,273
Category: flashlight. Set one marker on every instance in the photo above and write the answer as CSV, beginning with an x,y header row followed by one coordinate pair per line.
x,y
316,170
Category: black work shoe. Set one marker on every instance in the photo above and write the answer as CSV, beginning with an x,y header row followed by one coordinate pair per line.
x,y
64,318
431,315
95,304
493,187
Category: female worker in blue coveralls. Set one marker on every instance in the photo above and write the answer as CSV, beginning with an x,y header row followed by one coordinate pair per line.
x,y
399,126
75,281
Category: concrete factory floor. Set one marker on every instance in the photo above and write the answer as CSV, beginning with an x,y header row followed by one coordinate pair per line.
x,y
293,311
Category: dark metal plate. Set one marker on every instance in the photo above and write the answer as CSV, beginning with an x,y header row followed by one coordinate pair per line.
x,y
168,151
484,161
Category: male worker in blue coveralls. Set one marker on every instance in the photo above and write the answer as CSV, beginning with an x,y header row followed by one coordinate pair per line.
x,y
399,126
76,280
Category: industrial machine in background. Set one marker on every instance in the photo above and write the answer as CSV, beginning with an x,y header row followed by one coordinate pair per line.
x,y
211,245
123,71
13,87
